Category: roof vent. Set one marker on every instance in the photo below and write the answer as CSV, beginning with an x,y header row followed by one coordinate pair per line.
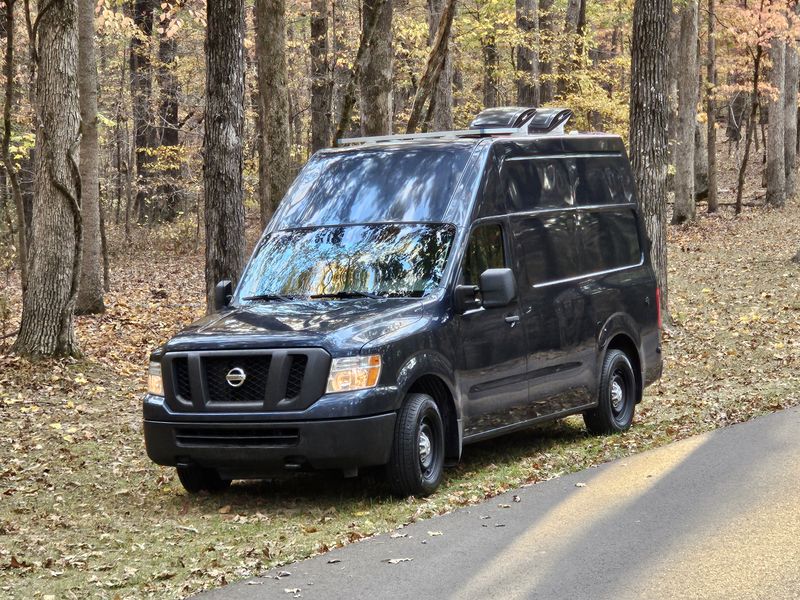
x,y
502,116
524,119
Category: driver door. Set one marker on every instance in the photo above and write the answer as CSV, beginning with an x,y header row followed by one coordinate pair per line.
x,y
493,370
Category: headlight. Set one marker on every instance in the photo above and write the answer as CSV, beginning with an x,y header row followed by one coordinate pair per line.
x,y
354,373
155,384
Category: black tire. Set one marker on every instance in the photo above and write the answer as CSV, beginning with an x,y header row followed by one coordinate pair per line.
x,y
198,479
617,401
417,461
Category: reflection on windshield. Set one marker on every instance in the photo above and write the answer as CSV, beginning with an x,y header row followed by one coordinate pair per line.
x,y
372,185
348,261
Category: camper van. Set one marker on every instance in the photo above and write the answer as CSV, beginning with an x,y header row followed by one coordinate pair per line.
x,y
413,294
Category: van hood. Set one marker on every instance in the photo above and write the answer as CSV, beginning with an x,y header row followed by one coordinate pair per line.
x,y
339,326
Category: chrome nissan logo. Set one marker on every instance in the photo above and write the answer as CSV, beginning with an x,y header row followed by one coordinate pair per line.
x,y
236,377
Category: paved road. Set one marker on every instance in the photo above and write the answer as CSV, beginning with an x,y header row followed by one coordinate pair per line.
x,y
714,516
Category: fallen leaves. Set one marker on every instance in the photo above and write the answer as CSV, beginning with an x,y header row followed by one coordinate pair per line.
x,y
396,561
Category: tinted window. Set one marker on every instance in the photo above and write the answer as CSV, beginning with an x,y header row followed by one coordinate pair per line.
x,y
610,240
374,185
548,247
485,251
389,259
602,180
530,184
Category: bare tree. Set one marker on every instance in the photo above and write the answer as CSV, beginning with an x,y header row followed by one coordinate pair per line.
x,y
273,91
790,118
546,32
442,97
776,172
528,53
376,78
222,143
321,79
56,244
649,115
141,74
684,208
90,294
711,107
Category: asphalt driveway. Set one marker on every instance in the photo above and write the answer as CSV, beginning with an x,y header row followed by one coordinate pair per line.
x,y
713,516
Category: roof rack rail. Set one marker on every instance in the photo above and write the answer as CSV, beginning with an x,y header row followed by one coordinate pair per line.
x,y
504,120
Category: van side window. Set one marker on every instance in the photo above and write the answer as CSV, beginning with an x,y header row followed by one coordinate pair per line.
x,y
531,184
485,251
610,240
549,247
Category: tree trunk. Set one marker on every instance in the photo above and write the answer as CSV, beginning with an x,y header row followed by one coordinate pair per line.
x,y
10,167
90,295
141,74
711,109
776,172
368,31
528,53
433,68
790,119
649,115
274,97
546,46
574,9
169,191
684,208
222,143
321,80
491,59
442,98
376,78
751,126
55,259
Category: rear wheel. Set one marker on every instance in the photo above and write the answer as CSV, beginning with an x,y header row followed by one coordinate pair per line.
x,y
417,461
617,401
198,479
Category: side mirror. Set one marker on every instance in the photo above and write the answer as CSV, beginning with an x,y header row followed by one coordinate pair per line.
x,y
223,292
465,297
498,287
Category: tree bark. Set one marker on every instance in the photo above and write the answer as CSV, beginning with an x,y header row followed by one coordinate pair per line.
x,y
433,67
649,115
376,78
491,60
321,80
368,30
751,125
90,295
168,191
141,73
442,97
55,259
546,45
684,207
711,108
568,45
10,167
528,53
222,143
274,97
776,171
790,119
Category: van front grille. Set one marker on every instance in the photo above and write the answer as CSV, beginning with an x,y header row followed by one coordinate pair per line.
x,y
254,388
282,380
237,437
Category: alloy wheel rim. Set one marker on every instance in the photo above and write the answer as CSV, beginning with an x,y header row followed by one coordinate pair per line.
x,y
426,450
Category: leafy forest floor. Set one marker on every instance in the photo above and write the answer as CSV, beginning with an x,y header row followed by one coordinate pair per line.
x,y
83,513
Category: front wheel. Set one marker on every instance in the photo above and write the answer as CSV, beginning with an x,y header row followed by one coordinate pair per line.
x,y
614,411
198,479
417,461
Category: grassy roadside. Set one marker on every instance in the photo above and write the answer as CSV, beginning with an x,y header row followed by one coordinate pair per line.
x,y
84,514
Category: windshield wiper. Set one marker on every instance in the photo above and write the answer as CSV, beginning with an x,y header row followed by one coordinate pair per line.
x,y
269,298
347,294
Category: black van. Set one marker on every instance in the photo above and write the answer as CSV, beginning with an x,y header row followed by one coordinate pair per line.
x,y
413,294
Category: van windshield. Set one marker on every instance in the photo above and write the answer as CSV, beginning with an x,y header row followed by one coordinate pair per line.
x,y
397,259
375,184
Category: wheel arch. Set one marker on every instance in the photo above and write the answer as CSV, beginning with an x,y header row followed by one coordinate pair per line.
x,y
437,388
624,342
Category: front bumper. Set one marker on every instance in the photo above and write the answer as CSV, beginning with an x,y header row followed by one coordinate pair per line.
x,y
241,450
